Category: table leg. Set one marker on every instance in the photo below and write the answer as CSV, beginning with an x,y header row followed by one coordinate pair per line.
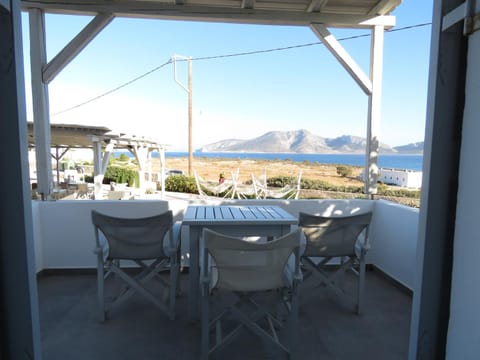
x,y
194,233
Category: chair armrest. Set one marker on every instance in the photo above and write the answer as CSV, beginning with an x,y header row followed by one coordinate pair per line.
x,y
168,249
205,282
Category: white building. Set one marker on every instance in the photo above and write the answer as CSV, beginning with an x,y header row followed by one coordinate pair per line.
x,y
401,177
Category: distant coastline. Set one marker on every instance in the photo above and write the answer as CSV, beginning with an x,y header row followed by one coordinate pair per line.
x,y
396,161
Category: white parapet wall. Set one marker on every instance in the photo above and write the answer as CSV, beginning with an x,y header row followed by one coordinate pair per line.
x,y
63,230
64,237
394,241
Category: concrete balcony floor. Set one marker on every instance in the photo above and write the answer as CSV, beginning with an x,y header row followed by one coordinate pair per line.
x,y
328,327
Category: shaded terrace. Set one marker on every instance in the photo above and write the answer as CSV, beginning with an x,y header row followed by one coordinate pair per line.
x,y
67,289
444,273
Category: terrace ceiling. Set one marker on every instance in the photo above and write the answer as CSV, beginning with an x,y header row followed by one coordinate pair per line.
x,y
332,13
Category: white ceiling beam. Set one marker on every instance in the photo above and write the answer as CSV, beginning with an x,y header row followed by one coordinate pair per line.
x,y
343,57
454,16
248,4
170,11
5,4
74,47
316,5
384,7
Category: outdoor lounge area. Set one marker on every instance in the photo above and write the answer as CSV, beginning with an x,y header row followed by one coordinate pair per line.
x,y
327,326
432,251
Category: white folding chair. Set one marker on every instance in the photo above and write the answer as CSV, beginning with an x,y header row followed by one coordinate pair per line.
x,y
224,190
148,242
250,270
331,238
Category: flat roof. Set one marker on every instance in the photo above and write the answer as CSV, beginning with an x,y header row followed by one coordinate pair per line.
x,y
74,136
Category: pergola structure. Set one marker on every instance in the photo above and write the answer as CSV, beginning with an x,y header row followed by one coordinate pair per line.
x,y
102,141
319,15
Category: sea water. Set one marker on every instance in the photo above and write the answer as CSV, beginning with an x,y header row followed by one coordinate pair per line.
x,y
396,161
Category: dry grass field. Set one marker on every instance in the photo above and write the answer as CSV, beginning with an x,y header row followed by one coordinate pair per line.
x,y
210,169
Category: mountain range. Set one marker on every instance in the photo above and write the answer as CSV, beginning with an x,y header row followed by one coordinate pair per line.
x,y
303,141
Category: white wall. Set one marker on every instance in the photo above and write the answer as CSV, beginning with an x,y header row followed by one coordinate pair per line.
x,y
64,236
463,341
394,234
63,231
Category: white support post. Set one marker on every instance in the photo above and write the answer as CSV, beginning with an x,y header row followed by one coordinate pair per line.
x,y
100,163
20,329
97,168
106,156
41,116
161,152
371,86
141,154
374,111
149,166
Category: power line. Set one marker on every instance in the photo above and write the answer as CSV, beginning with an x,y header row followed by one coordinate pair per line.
x,y
253,52
114,89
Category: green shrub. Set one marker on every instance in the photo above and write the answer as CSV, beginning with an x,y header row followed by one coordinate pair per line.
x,y
123,157
280,181
181,183
383,190
344,171
121,175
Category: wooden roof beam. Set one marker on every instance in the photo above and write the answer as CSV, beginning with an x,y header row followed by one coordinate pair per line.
x,y
384,7
170,11
5,4
316,5
248,4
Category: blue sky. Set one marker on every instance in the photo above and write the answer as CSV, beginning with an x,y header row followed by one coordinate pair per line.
x,y
242,96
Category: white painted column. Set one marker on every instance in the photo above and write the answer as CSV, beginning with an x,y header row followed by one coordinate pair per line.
x,y
371,86
97,168
41,112
20,338
161,152
149,164
374,110
141,154
100,164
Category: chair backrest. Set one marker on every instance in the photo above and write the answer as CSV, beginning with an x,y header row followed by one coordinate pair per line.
x,y
138,238
250,266
333,236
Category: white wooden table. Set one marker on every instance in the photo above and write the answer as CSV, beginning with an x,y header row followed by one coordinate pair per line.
x,y
269,221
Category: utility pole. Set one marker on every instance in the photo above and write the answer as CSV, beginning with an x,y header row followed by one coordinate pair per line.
x,y
190,112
